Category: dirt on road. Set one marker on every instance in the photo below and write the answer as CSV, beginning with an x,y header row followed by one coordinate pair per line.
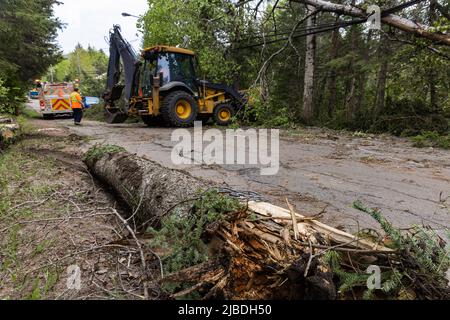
x,y
320,171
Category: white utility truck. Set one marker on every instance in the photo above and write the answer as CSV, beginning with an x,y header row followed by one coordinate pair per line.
x,y
54,99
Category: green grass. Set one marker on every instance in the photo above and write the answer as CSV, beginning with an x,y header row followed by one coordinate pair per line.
x,y
29,113
41,246
433,139
95,113
43,284
24,177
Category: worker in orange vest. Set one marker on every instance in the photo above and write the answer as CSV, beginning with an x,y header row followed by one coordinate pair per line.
x,y
77,106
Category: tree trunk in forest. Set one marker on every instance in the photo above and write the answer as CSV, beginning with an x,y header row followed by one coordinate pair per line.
x,y
364,75
350,102
382,78
432,72
235,44
332,92
308,93
323,84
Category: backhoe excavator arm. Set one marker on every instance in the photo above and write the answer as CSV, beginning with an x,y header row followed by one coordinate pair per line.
x,y
122,68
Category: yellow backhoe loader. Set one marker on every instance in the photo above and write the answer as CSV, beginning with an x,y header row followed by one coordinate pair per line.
x,y
163,85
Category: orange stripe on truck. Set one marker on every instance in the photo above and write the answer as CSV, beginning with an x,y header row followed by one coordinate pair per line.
x,y
60,104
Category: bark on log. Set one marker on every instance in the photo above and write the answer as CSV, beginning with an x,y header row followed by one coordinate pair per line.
x,y
398,22
148,188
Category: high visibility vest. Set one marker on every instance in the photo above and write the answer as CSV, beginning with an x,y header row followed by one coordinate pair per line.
x,y
75,99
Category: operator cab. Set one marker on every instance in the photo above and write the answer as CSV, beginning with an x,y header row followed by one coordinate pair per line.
x,y
175,66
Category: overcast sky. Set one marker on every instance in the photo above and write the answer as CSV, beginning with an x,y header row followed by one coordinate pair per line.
x,y
89,21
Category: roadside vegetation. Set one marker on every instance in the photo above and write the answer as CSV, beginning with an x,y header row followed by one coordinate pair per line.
x,y
88,65
96,113
27,191
432,139
20,191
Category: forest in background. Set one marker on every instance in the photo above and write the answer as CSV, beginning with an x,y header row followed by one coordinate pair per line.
x,y
88,65
383,80
28,30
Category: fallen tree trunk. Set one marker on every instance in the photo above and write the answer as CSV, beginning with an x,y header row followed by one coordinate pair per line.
x,y
148,188
398,22
259,251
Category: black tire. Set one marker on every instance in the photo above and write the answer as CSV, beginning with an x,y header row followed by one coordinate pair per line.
x,y
152,121
48,116
171,106
219,114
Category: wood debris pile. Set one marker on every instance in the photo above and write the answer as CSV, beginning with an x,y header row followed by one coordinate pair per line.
x,y
265,257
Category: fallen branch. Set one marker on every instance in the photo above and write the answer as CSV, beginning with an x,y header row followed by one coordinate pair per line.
x,y
138,244
396,21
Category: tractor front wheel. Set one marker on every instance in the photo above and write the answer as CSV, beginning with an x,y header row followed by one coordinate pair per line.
x,y
179,109
223,114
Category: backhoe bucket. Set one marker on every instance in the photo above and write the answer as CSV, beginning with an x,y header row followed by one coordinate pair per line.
x,y
115,117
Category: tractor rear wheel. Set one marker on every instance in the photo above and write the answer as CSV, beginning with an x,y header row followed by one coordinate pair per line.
x,y
179,109
223,114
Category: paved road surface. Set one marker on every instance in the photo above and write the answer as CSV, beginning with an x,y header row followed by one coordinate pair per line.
x,y
319,169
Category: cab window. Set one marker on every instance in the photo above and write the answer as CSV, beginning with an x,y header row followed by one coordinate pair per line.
x,y
177,67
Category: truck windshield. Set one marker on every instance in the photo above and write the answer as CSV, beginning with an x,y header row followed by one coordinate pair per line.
x,y
177,67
